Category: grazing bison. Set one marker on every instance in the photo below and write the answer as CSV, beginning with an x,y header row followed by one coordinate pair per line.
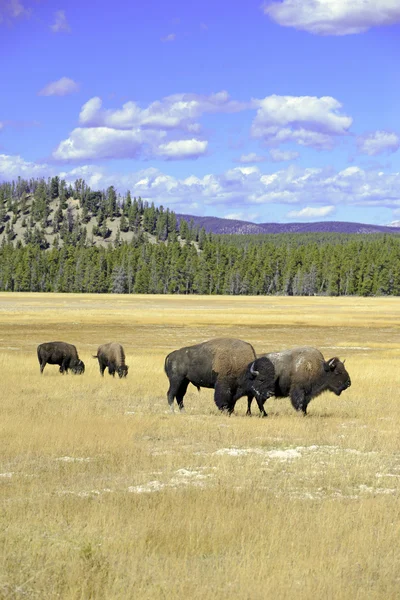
x,y
112,355
229,366
303,373
60,353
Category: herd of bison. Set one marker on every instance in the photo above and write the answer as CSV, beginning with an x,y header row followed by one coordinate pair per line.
x,y
229,366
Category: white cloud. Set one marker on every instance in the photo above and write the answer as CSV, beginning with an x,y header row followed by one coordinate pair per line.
x,y
311,212
12,9
178,111
306,120
103,142
61,87
277,155
169,38
180,149
11,166
163,129
333,17
378,142
60,22
251,158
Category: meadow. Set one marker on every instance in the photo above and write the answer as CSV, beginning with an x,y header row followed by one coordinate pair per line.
x,y
105,494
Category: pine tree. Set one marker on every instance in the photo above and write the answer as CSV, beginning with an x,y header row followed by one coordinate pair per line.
x,y
118,281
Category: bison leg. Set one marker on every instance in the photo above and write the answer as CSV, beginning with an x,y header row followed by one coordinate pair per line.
x,y
249,401
260,404
299,401
181,393
177,389
65,365
223,397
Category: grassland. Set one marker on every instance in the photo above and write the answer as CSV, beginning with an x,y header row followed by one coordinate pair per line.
x,y
104,494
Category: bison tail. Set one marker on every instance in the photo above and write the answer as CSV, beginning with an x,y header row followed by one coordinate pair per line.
x,y
94,356
165,364
197,386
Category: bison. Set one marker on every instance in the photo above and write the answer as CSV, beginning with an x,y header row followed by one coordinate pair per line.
x,y
112,355
60,353
230,366
303,373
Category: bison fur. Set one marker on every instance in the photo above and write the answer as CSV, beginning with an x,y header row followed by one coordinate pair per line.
x,y
302,374
112,355
60,353
229,366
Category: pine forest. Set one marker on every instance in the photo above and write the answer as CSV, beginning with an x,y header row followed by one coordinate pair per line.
x,y
58,237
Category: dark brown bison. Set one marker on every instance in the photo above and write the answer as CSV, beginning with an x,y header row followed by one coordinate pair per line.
x,y
303,373
112,355
229,366
60,353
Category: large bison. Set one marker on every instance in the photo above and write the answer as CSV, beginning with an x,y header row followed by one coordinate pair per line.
x,y
230,366
303,373
60,353
112,355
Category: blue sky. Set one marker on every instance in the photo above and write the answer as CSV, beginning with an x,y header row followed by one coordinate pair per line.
x,y
279,111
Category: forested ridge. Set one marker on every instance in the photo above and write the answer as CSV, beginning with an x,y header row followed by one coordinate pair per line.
x,y
62,238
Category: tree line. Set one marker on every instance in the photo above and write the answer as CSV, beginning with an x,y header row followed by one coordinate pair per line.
x,y
167,257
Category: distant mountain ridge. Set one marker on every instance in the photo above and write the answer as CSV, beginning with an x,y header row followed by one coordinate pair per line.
x,y
234,226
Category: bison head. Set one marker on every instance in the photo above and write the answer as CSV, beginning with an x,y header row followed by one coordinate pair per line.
x,y
78,368
338,378
122,371
261,378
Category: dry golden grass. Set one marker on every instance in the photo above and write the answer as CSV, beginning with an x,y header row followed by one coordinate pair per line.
x,y
104,494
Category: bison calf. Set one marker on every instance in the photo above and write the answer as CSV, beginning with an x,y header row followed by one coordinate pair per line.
x,y
112,355
230,366
60,353
303,373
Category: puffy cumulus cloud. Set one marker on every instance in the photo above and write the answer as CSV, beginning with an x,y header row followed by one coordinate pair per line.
x,y
181,149
11,166
12,9
378,142
333,17
163,129
311,212
277,155
178,111
61,87
60,22
104,142
251,158
306,120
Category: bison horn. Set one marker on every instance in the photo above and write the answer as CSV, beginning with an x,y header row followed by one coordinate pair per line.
x,y
252,369
331,364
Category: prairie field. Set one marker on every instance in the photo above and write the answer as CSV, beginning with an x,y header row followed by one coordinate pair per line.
x,y
105,494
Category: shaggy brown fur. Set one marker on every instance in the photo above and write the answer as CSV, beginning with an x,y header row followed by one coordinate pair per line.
x,y
302,374
112,355
230,356
228,365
